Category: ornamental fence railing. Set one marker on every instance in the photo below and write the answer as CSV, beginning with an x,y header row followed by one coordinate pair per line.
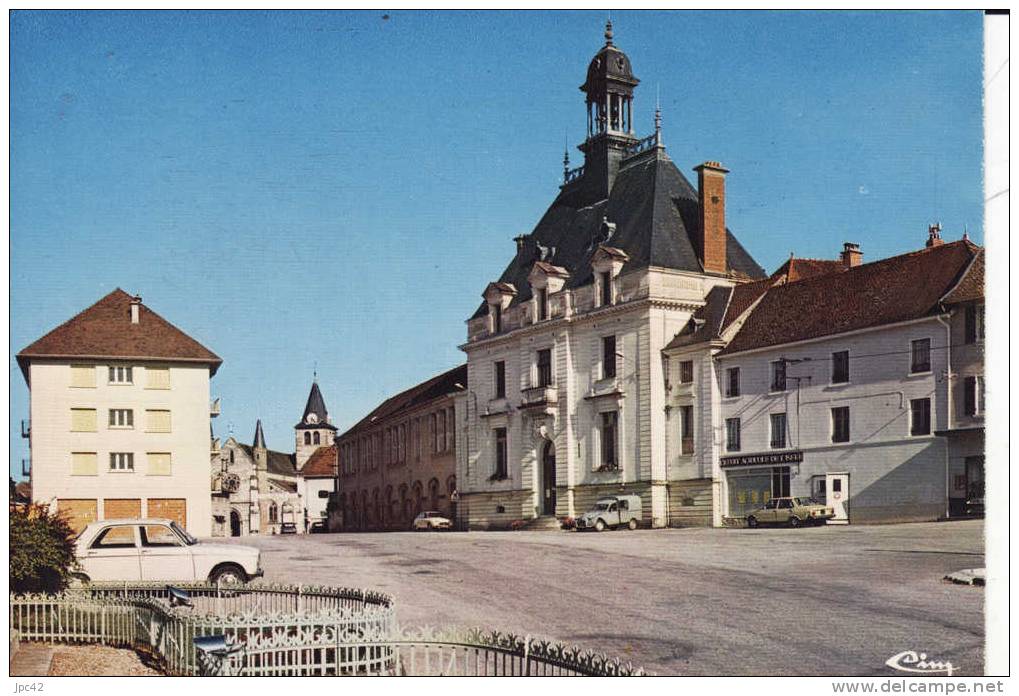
x,y
275,630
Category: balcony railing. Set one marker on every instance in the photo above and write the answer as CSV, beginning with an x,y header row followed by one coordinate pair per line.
x,y
26,428
540,396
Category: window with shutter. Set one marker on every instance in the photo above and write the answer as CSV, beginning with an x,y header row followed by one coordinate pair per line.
x,y
84,464
83,420
159,464
157,421
157,378
83,376
970,396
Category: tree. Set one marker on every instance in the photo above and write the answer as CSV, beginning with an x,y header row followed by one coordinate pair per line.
x,y
41,551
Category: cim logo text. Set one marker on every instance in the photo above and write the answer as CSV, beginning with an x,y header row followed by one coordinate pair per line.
x,y
917,663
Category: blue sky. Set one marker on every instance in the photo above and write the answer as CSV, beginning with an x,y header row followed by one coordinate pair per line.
x,y
334,190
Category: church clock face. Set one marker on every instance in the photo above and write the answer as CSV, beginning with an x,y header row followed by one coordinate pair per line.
x,y
312,419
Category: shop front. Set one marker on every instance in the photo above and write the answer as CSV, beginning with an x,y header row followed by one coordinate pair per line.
x,y
754,479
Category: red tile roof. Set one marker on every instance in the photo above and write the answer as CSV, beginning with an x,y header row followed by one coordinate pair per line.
x,y
321,463
743,295
896,289
104,330
971,287
799,269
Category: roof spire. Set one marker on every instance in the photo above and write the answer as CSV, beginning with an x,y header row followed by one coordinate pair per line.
x,y
658,117
566,165
259,442
608,32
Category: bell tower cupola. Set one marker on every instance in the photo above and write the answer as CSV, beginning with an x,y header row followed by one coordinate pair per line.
x,y
609,100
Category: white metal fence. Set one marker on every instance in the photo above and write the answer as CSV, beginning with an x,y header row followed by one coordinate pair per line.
x,y
287,631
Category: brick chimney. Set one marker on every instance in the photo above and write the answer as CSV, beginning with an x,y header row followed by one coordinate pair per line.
x,y
934,235
710,241
851,255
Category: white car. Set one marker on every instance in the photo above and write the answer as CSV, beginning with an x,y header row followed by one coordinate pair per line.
x,y
431,520
158,550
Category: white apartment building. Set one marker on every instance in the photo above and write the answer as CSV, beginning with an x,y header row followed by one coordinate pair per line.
x,y
860,385
566,380
120,416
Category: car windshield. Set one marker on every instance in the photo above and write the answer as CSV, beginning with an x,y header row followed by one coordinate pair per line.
x,y
601,506
188,539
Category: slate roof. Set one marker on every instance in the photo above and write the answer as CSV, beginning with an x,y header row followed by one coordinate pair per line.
x,y
895,289
321,463
277,463
259,440
656,213
971,287
317,405
429,390
104,330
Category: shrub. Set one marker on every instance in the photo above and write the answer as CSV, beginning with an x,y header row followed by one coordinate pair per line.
x,y
517,525
41,551
567,523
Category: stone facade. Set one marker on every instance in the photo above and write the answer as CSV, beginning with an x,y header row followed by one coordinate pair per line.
x,y
400,459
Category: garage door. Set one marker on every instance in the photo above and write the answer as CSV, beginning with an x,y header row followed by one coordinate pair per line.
x,y
170,508
122,508
79,513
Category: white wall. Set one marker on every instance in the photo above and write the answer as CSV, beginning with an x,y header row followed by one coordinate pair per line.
x,y
52,441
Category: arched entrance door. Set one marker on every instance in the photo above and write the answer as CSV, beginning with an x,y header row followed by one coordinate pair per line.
x,y
548,479
235,523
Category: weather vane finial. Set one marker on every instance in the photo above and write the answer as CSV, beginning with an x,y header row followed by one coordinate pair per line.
x,y
608,32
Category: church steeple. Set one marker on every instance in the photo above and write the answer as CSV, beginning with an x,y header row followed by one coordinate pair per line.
x,y
609,100
314,430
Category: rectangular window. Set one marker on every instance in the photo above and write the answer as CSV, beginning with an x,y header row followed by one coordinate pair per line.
x,y
158,464
542,299
401,446
980,394
920,350
732,427
969,393
920,417
452,429
606,288
840,367
83,376
120,374
840,424
447,417
83,420
608,357
609,441
500,380
157,378
121,418
121,461
496,312
501,458
686,372
778,376
732,381
433,420
157,421
778,428
84,464
974,323
686,429
545,367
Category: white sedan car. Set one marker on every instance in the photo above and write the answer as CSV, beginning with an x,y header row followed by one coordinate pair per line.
x,y
431,520
157,549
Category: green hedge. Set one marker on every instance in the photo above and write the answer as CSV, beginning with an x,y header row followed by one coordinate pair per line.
x,y
41,551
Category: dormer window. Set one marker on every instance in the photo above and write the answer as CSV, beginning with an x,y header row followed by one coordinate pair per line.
x,y
545,279
606,263
498,296
541,298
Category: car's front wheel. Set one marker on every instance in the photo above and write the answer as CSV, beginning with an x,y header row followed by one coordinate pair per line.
x,y
752,522
794,521
228,575
599,526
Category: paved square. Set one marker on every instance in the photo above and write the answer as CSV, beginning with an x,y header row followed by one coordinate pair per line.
x,y
829,600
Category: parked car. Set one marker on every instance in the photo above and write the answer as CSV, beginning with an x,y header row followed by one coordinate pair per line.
x,y
791,511
158,549
318,527
612,511
431,520
288,528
